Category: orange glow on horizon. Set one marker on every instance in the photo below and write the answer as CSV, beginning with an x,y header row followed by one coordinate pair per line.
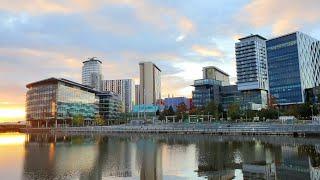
x,y
12,113
12,139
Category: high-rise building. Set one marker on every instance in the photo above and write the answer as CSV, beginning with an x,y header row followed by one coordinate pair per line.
x,y
294,66
137,94
150,83
124,88
252,71
251,58
92,73
212,72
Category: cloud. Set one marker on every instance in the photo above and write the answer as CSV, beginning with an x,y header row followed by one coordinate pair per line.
x,y
207,51
283,16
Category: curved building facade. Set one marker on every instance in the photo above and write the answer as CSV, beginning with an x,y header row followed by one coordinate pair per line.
x,y
92,73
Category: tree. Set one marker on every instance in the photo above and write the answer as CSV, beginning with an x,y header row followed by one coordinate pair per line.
x,y
170,111
234,111
212,109
98,120
181,110
268,113
78,120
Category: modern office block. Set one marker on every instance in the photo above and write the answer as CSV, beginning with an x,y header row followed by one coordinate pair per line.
x,y
92,73
230,95
252,72
110,105
150,83
206,90
294,66
212,72
124,88
53,102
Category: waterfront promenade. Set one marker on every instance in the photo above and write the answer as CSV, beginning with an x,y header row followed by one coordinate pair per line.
x,y
201,128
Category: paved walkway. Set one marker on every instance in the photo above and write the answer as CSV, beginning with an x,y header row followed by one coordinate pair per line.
x,y
202,128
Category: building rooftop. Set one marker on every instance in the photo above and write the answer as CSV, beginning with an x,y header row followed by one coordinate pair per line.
x,y
92,59
214,67
52,80
151,63
252,35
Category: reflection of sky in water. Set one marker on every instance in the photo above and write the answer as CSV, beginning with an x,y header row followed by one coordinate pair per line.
x,y
11,155
152,157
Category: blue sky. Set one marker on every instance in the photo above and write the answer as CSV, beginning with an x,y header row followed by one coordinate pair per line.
x,y
41,39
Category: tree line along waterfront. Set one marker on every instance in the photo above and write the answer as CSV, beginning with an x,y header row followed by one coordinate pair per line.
x,y
210,113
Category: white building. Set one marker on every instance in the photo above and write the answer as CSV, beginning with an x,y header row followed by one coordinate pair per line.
x,y
125,88
251,58
92,73
150,83
252,70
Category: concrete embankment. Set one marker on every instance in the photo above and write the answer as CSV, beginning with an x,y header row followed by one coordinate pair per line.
x,y
220,129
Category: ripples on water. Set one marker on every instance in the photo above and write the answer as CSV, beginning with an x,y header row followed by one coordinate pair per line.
x,y
121,156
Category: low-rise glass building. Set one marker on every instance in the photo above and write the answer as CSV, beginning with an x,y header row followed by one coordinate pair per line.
x,y
54,102
206,90
110,105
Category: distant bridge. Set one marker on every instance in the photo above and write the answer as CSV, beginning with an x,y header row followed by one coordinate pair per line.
x,y
14,126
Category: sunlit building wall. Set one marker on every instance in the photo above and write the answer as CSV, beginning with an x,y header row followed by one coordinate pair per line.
x,y
56,101
150,83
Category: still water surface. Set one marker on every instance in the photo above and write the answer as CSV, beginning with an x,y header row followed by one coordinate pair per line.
x,y
120,156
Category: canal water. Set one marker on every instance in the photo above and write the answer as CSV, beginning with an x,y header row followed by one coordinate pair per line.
x,y
125,156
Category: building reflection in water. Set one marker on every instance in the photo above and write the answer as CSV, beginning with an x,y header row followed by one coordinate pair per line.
x,y
163,157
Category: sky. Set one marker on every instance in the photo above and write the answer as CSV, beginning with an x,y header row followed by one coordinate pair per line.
x,y
42,39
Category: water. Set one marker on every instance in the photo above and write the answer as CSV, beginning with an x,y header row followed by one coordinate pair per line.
x,y
123,156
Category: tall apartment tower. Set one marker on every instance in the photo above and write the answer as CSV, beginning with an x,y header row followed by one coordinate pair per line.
x,y
252,70
92,73
294,66
124,88
150,83
212,72
137,94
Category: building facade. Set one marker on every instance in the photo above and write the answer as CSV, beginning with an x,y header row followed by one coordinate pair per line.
x,y
110,105
205,91
212,72
150,83
137,94
54,102
251,59
252,70
126,90
294,66
92,73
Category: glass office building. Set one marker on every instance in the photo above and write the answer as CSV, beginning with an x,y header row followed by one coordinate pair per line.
x,y
54,102
110,105
206,90
294,66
